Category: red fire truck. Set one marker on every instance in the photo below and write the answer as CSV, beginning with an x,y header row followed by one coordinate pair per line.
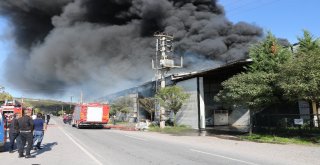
x,y
91,115
7,110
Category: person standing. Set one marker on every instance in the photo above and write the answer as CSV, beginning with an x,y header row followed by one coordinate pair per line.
x,y
34,116
48,118
39,128
43,118
114,119
14,132
26,135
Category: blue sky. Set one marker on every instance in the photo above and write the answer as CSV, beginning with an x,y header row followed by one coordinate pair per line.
x,y
284,18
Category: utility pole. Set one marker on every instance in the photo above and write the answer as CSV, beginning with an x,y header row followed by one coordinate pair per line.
x,y
70,102
22,102
163,64
81,97
62,109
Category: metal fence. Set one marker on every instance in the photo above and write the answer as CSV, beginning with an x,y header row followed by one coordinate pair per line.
x,y
287,123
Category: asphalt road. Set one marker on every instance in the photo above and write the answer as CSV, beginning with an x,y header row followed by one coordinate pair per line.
x,y
66,145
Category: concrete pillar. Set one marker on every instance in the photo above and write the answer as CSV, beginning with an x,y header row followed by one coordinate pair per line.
x,y
162,110
315,114
202,116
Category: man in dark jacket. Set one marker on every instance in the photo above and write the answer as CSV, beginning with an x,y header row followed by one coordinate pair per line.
x,y
26,135
14,132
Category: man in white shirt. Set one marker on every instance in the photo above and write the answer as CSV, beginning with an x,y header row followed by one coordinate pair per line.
x,y
34,116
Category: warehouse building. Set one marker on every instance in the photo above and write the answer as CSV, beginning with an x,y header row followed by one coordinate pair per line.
x,y
200,111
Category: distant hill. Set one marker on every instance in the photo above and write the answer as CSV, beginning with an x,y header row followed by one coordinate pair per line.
x,y
48,106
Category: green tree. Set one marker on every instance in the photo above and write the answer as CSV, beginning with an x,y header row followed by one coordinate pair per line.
x,y
300,78
250,90
307,43
61,112
5,96
172,98
37,110
149,105
122,104
26,104
113,110
256,88
268,55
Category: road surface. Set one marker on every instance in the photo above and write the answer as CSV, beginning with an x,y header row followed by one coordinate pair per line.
x,y
66,145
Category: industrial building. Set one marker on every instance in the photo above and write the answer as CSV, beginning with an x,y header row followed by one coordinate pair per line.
x,y
200,111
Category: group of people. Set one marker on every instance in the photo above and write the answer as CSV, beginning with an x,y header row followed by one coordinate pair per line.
x,y
25,130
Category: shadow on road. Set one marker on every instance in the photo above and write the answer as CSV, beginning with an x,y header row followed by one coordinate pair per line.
x,y
45,148
6,147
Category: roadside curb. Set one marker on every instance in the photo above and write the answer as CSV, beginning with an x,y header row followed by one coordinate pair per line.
x,y
120,127
228,137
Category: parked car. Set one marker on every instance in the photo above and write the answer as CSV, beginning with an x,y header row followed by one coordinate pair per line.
x,y
67,119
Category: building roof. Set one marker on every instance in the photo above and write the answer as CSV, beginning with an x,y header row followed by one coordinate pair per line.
x,y
212,71
226,69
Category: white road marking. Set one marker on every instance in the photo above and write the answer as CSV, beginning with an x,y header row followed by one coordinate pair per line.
x,y
83,149
100,156
135,137
225,157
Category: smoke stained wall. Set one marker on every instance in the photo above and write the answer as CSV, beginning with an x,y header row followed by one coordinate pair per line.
x,y
102,46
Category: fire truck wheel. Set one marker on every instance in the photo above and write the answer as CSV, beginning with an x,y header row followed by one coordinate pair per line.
x,y
1,148
79,126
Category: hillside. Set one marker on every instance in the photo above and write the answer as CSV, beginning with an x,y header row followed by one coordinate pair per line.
x,y
48,106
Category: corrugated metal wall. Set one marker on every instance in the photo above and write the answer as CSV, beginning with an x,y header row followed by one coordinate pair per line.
x,y
188,115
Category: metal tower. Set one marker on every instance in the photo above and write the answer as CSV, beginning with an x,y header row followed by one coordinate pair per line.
x,y
163,63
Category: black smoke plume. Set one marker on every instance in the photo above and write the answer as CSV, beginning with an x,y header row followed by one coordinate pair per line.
x,y
102,46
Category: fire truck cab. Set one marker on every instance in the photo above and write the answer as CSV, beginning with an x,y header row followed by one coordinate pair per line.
x,y
7,110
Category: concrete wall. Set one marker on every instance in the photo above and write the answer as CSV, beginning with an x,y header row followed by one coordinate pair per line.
x,y
239,117
188,115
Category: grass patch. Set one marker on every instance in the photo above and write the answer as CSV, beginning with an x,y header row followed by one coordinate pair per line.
x,y
281,140
120,122
171,129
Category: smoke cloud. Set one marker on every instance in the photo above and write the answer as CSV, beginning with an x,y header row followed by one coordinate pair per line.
x,y
102,46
